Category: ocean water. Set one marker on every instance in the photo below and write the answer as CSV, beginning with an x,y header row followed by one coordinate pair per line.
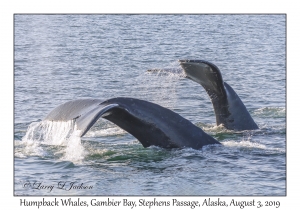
x,y
58,58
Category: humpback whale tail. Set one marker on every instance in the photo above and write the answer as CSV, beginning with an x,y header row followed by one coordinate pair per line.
x,y
229,109
150,123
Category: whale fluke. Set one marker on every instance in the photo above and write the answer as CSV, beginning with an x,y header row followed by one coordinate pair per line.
x,y
150,123
229,109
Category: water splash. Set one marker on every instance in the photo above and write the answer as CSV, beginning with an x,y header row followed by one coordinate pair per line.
x,y
106,132
74,151
244,144
213,128
105,128
49,132
270,112
58,133
252,146
165,82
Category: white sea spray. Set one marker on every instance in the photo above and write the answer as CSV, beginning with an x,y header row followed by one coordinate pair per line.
x,y
56,133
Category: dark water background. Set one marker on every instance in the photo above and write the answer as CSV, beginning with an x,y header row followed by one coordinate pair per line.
x,y
58,58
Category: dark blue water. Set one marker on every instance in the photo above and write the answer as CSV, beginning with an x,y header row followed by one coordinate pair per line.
x,y
58,58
